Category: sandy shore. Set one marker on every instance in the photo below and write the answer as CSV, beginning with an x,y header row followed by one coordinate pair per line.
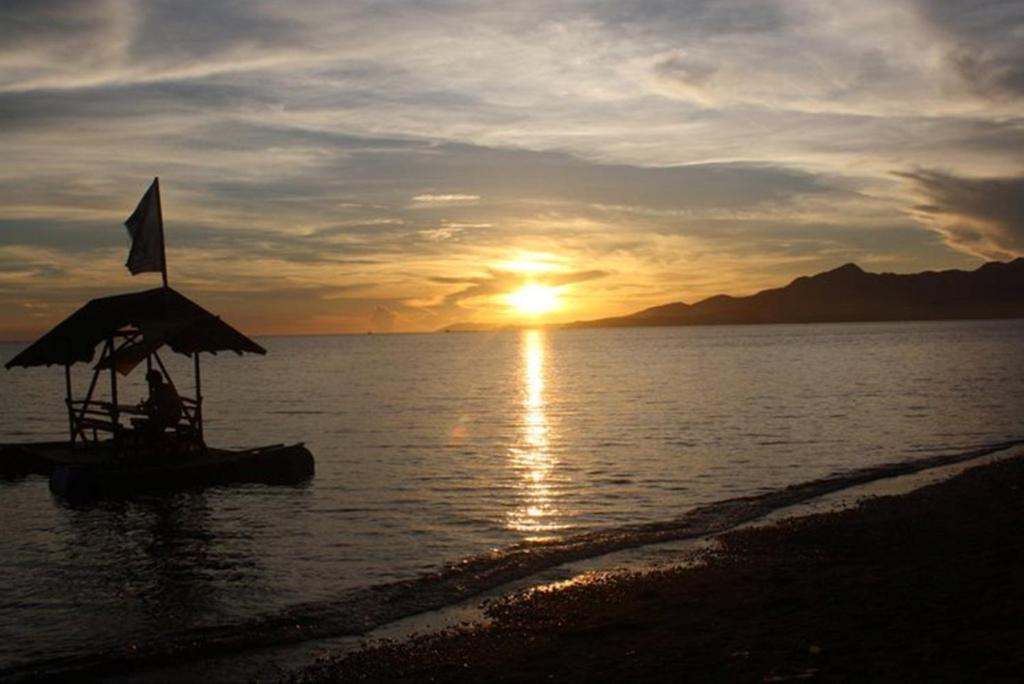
x,y
921,587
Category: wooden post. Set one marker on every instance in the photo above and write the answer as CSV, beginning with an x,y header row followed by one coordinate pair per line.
x,y
163,369
88,396
71,409
199,397
163,249
114,413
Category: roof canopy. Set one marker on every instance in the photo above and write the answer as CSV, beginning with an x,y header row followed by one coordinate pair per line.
x,y
164,316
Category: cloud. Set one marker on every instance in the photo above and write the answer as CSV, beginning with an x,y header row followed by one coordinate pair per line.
x,y
197,30
497,282
980,216
94,42
693,18
984,43
946,57
432,199
559,279
688,77
355,144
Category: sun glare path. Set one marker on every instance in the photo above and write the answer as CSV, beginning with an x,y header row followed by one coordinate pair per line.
x,y
537,513
534,299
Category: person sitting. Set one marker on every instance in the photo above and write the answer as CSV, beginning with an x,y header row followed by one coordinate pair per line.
x,y
163,407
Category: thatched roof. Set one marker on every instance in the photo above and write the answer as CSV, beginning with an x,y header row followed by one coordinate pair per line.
x,y
164,316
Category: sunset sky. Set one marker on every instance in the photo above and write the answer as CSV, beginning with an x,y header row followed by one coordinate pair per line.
x,y
345,166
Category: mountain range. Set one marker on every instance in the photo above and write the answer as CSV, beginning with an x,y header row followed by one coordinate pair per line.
x,y
848,293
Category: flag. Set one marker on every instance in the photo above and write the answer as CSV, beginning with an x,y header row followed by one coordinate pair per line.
x,y
146,228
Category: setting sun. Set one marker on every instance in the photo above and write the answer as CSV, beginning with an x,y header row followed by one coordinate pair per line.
x,y
534,299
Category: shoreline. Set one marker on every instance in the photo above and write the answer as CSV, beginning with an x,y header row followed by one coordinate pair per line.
x,y
265,649
914,586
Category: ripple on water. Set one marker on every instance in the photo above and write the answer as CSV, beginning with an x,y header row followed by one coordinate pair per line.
x,y
434,448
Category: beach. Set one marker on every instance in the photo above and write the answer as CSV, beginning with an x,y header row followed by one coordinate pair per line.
x,y
477,341
918,587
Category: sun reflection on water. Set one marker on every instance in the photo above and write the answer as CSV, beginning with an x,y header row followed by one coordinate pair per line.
x,y
537,513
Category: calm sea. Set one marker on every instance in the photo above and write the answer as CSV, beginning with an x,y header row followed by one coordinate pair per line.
x,y
436,448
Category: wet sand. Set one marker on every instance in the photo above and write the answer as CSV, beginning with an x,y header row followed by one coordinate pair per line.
x,y
921,587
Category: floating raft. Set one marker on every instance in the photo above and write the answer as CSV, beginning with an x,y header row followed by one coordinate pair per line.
x,y
98,472
117,449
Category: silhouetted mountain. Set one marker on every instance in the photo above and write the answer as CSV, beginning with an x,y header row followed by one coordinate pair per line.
x,y
848,293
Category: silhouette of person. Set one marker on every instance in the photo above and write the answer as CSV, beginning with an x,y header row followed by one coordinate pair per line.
x,y
163,407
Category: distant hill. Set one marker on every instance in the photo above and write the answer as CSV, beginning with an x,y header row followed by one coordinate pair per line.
x,y
848,293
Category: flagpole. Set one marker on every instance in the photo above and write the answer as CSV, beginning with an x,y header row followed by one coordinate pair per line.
x,y
160,214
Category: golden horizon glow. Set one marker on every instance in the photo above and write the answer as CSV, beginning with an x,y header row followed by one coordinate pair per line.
x,y
324,214
534,299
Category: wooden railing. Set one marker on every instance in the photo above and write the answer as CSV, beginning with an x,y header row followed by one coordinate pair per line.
x,y
93,420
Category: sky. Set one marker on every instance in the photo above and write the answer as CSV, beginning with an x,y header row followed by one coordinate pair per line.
x,y
404,166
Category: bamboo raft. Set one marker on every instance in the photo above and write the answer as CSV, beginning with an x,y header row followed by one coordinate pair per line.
x,y
119,449
101,471
116,449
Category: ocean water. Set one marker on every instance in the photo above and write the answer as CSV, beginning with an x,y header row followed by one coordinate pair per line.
x,y
441,458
